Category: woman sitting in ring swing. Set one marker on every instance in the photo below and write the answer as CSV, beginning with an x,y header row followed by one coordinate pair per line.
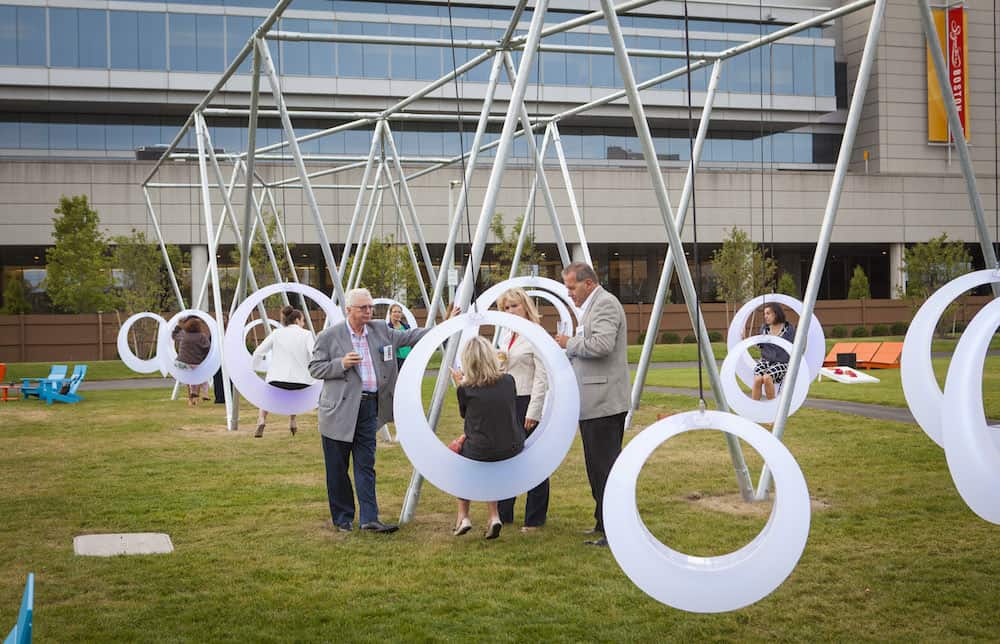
x,y
487,401
770,370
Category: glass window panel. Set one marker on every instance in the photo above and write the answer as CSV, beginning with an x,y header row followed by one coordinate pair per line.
x,y
644,67
119,136
349,55
428,59
721,149
124,40
30,37
90,136
578,65
34,135
359,7
148,134
617,147
699,77
376,57
452,142
679,148
670,64
783,147
93,38
824,72
10,133
308,147
294,55
357,142
481,72
593,146
322,61
332,144
572,145
408,143
602,68
431,144
803,147
783,71
403,62
62,136
238,30
8,37
183,40
736,74
743,150
211,56
417,10
65,34
804,70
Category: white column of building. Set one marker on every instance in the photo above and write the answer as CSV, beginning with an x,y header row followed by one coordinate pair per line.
x,y
199,267
897,274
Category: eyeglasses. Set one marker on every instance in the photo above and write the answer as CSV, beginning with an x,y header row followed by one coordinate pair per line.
x,y
363,307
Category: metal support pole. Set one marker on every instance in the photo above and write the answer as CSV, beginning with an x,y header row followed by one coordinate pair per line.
x,y
550,203
825,233
163,249
359,202
288,254
958,135
668,262
363,257
529,209
286,123
409,242
676,248
564,167
369,215
464,295
232,420
241,285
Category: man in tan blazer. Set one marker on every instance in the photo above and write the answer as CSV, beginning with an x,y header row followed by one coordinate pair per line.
x,y
599,354
356,360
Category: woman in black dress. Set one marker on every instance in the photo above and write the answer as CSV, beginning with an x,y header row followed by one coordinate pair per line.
x,y
487,401
770,370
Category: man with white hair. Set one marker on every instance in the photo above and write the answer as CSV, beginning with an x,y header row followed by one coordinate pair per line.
x,y
357,362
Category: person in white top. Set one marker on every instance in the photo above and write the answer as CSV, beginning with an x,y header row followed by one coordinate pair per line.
x,y
518,358
291,348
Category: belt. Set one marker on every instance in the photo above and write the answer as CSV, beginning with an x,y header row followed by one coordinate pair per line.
x,y
369,395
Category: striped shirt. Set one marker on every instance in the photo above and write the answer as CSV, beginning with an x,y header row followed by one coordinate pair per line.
x,y
369,381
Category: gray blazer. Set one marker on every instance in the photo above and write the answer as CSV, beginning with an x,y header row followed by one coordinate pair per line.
x,y
600,358
341,396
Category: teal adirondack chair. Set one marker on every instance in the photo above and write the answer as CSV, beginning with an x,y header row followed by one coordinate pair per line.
x,y
21,633
33,386
63,389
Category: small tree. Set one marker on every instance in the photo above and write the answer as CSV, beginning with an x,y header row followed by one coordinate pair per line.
x,y
786,285
141,277
931,265
78,277
15,297
859,288
742,269
505,248
388,271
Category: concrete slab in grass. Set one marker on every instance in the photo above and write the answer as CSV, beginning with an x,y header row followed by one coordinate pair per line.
x,y
110,545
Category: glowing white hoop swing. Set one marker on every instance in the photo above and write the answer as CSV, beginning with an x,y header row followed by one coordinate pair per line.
x,y
565,318
544,450
167,354
761,411
407,313
815,343
923,396
238,359
125,354
492,294
971,446
707,584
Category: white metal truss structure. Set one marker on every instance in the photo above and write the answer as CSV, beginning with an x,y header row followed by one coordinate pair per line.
x,y
384,171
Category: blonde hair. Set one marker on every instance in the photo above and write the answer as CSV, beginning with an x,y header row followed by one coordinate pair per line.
x,y
479,363
519,296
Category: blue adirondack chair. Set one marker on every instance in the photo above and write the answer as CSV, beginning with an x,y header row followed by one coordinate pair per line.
x,y
21,633
63,389
33,386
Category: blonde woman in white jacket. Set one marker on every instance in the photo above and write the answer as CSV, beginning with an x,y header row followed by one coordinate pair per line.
x,y
291,348
518,358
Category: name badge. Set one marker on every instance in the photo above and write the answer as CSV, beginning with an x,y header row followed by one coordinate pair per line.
x,y
387,353
579,331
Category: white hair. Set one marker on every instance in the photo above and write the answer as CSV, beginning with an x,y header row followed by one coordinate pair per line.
x,y
352,295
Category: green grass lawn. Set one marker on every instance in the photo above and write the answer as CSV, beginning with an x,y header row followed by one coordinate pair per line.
x,y
893,553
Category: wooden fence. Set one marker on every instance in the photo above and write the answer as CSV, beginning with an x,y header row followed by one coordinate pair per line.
x,y
73,338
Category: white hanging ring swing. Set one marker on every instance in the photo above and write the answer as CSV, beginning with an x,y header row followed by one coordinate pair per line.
x,y
920,387
707,584
125,354
239,361
759,411
407,313
971,446
168,355
815,343
490,296
263,362
543,451
565,317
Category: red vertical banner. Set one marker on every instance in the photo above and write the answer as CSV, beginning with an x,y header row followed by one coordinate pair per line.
x,y
951,25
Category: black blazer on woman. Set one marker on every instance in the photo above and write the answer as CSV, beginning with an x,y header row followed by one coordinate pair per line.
x,y
491,428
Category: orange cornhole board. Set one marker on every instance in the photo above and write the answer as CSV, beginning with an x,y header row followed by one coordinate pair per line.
x,y
887,356
841,347
865,351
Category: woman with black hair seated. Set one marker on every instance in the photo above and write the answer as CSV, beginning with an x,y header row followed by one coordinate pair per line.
x,y
770,370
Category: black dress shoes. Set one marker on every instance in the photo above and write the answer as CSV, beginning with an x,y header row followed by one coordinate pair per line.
x,y
600,543
378,526
342,527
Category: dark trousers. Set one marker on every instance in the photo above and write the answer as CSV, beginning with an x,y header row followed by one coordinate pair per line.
x,y
537,505
337,456
602,442
217,385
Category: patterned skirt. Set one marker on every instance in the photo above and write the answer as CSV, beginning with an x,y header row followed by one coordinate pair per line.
x,y
774,369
